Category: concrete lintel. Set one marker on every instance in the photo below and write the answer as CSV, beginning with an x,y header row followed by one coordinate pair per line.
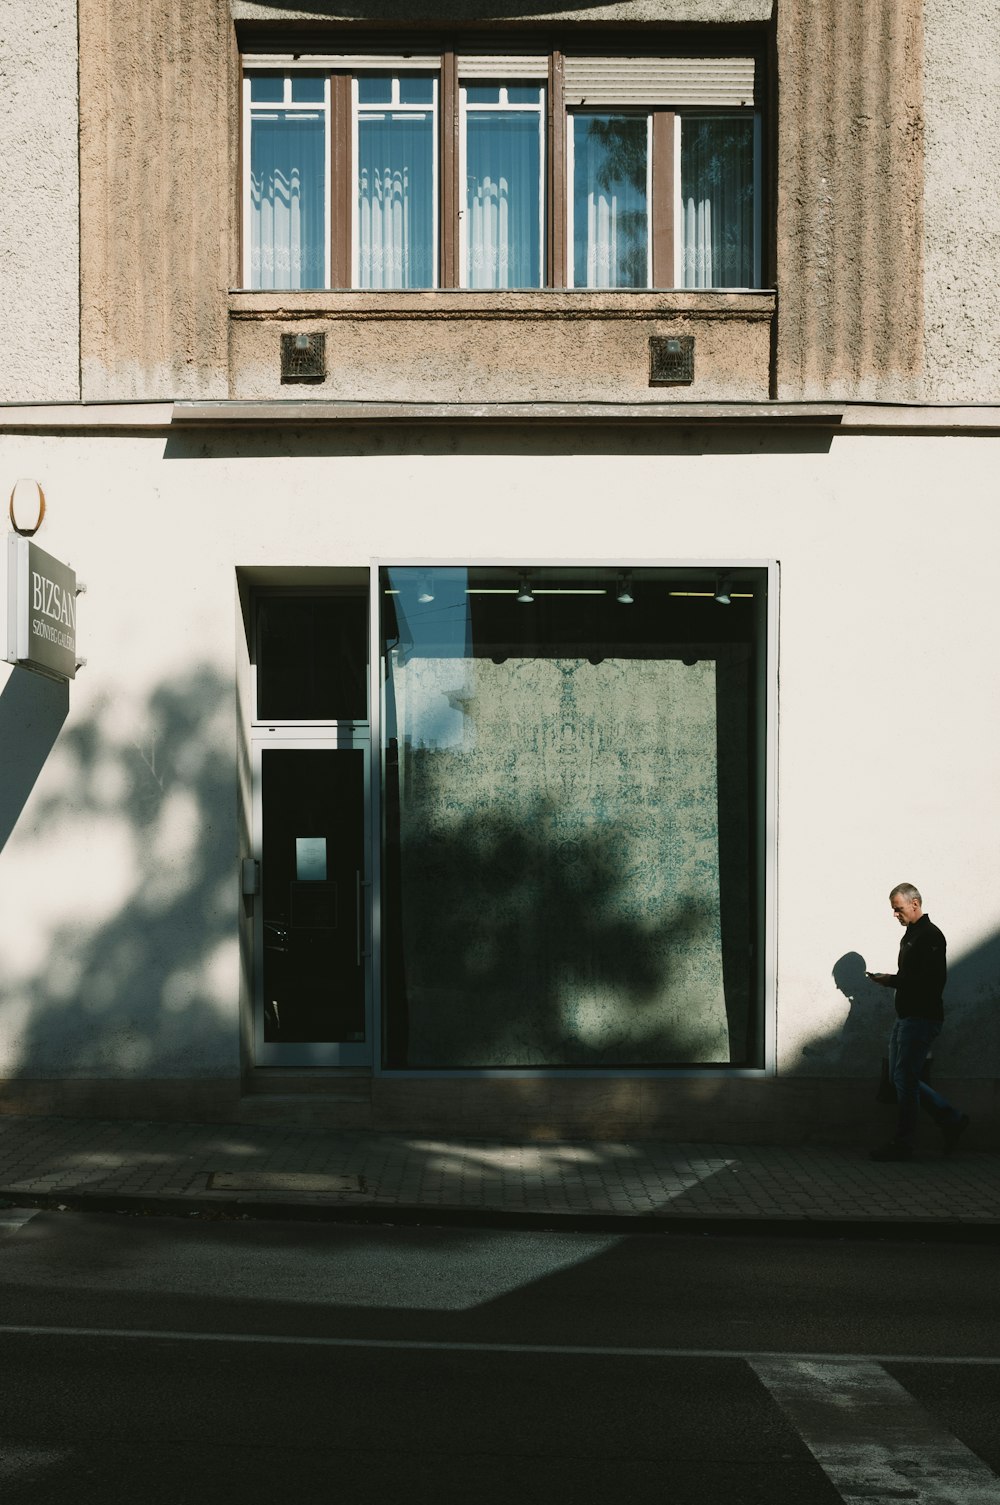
x,y
130,416
294,411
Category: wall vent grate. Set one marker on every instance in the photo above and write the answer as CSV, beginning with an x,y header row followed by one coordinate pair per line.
x,y
303,357
671,360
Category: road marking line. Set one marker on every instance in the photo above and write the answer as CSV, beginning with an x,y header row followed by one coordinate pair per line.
x,y
567,1350
13,1218
871,1438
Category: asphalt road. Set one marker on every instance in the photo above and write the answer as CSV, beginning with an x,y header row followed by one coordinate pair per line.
x,y
170,1360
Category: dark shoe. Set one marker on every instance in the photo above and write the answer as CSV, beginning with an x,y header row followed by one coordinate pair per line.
x,y
952,1133
894,1150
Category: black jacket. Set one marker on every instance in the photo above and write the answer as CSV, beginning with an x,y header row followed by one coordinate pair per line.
x,y
922,971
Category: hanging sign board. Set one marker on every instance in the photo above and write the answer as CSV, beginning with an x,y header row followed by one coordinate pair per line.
x,y
38,619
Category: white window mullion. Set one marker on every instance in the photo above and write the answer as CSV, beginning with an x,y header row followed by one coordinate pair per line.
x,y
542,193
435,187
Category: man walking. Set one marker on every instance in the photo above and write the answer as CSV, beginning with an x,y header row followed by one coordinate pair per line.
x,y
919,984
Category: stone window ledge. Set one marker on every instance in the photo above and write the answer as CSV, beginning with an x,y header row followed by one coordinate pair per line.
x,y
476,304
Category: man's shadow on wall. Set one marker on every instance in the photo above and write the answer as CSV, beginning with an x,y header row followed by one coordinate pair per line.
x,y
969,1044
32,712
860,1044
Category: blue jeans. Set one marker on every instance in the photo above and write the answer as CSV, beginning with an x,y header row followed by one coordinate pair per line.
x,y
909,1043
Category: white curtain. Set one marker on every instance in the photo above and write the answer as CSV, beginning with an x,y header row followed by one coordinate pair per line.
x,y
502,202
287,198
395,201
602,239
717,182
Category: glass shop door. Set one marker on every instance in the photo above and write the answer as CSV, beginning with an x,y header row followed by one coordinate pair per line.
x,y
312,912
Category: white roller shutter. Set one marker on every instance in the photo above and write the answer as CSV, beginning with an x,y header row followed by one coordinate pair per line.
x,y
378,62
718,81
502,66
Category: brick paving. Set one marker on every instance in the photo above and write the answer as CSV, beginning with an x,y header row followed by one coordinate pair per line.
x,y
49,1158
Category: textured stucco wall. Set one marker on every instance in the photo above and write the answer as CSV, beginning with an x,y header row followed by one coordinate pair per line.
x,y
39,240
158,174
962,199
849,242
514,347
118,886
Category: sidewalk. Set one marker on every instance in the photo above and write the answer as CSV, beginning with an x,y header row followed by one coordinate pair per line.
x,y
235,1170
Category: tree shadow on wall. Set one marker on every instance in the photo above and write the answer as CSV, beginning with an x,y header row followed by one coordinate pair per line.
x,y
509,942
139,814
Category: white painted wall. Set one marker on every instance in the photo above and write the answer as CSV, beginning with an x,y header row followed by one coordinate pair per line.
x,y
40,241
889,718
961,199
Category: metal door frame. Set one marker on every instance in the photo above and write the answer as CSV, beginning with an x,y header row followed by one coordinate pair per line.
x,y
345,737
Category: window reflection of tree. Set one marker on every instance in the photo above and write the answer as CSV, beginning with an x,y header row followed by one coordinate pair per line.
x,y
621,160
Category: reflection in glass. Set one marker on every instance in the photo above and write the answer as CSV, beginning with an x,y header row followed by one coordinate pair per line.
x,y
267,88
312,658
503,217
570,806
416,89
308,88
610,219
375,89
287,199
717,200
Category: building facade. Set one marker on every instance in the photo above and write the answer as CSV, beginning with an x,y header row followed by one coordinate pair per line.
x,y
534,478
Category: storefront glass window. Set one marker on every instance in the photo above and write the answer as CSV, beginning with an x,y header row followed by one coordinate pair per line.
x,y
571,806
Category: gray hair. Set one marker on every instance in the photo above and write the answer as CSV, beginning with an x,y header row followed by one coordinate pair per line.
x,y
906,891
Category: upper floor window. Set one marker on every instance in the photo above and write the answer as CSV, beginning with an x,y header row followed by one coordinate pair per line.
x,y
448,172
394,149
502,136
286,196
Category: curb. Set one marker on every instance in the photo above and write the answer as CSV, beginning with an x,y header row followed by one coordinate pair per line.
x,y
322,1210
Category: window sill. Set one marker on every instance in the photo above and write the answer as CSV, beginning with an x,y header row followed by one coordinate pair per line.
x,y
483,303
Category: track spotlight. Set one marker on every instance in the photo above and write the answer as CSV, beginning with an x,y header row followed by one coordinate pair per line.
x,y
623,590
425,591
525,595
722,595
